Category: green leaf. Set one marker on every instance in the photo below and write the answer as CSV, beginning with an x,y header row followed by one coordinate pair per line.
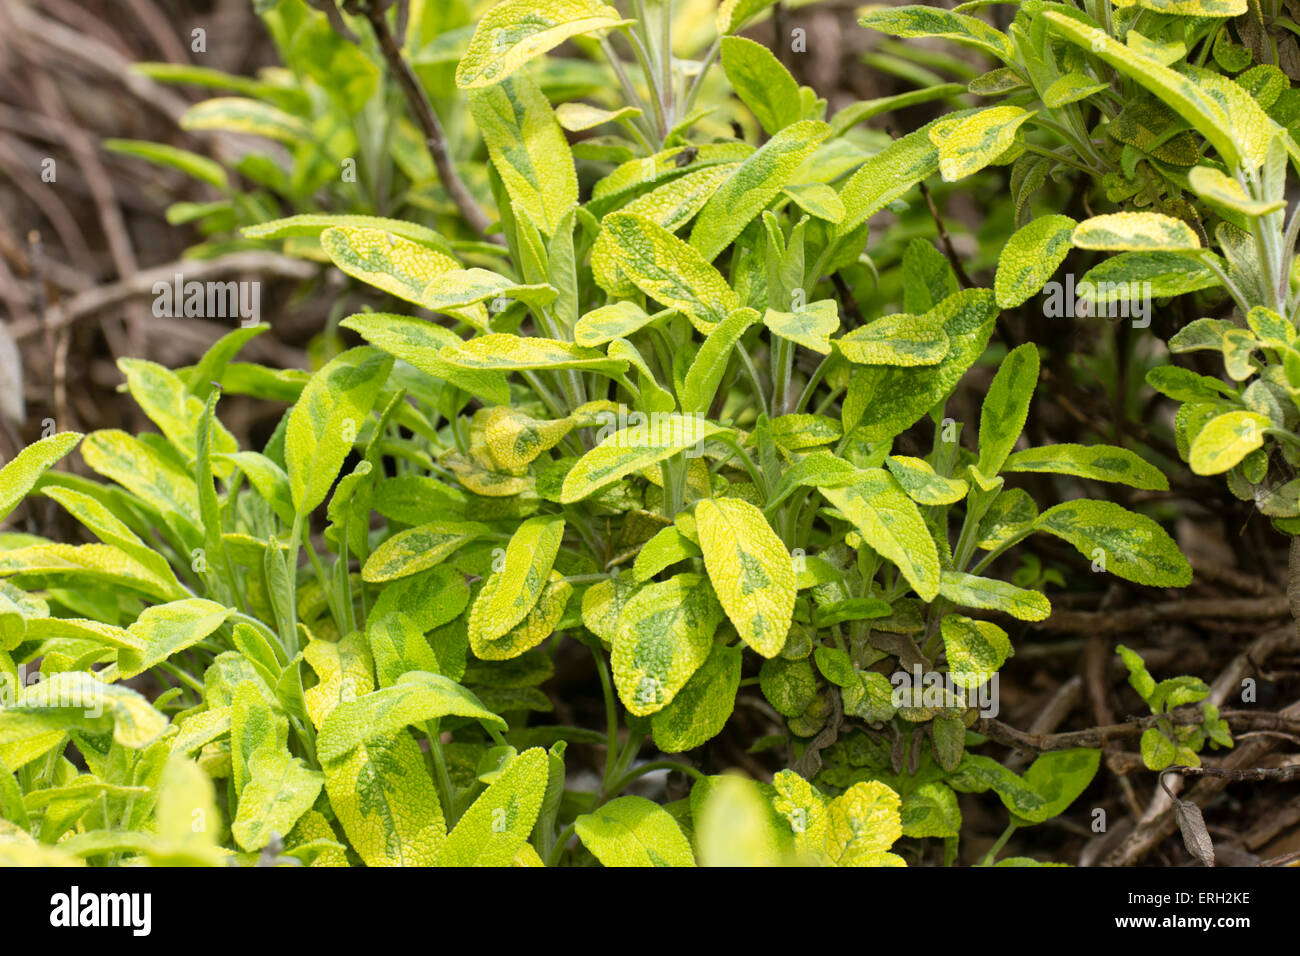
x,y
710,363
345,672
242,115
1099,462
168,629
1181,93
497,825
1215,187
517,586
1071,88
1138,676
516,31
704,704
734,825
757,181
528,148
862,824
420,345
1158,751
1136,232
191,164
734,14
750,569
1128,545
280,789
975,649
1168,273
974,142
1006,405
810,327
1030,258
890,523
969,590
1060,776
416,697
923,484
923,21
887,176
633,449
617,320
418,549
324,423
314,224
77,700
666,269
19,475
898,340
898,397
665,632
387,803
931,810
1225,440
634,831
816,199
762,83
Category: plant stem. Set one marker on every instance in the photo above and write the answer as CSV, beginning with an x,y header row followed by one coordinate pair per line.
x,y
446,792
997,847
434,137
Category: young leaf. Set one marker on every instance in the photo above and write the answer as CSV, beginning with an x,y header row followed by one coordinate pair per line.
x,y
1060,776
753,185
810,327
281,788
668,270
324,423
762,83
862,824
1030,257
710,363
890,523
633,449
1225,440
634,831
617,320
1006,405
750,569
527,147
1128,545
516,31
19,475
538,624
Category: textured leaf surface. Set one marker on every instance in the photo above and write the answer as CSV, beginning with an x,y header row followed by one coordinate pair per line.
x,y
1225,440
528,148
862,824
326,420
969,590
1099,462
1031,257
664,634
1133,546
923,484
762,83
667,269
167,629
750,569
516,31
497,825
633,449
754,184
975,649
899,340
810,327
702,707
1135,232
387,804
977,140
889,521
924,21
1005,408
280,789
634,831
19,475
